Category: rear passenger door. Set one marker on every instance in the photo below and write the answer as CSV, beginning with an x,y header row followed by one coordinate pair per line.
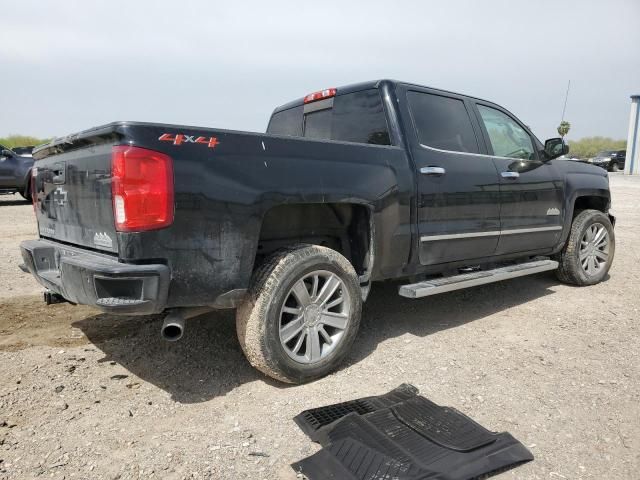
x,y
458,209
531,191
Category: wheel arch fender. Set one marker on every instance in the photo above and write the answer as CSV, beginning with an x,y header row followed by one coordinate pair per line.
x,y
584,191
306,220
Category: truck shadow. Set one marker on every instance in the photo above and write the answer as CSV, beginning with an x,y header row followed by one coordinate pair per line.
x,y
13,203
208,361
387,315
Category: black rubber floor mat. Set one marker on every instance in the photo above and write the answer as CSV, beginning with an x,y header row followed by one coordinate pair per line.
x,y
312,420
349,459
403,436
442,425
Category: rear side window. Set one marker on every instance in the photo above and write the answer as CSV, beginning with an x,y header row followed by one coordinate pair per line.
x,y
287,122
442,122
359,117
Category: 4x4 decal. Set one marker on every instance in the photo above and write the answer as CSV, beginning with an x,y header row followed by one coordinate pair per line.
x,y
179,139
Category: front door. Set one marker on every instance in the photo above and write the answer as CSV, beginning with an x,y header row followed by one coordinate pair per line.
x,y
8,167
458,209
531,191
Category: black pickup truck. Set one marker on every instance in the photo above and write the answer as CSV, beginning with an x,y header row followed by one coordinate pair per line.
x,y
363,183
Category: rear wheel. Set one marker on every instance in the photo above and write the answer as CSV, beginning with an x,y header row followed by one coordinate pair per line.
x,y
615,167
301,315
588,253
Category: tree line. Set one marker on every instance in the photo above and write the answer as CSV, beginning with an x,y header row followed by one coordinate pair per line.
x,y
590,146
13,141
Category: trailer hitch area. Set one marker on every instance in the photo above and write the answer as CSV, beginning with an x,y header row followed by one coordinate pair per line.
x,y
51,298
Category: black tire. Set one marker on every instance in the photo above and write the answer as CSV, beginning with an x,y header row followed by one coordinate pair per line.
x,y
26,192
258,319
615,167
570,269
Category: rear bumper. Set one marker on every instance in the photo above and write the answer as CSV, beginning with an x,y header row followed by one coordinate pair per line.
x,y
90,278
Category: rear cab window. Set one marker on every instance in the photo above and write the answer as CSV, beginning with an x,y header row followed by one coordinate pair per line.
x,y
357,117
287,122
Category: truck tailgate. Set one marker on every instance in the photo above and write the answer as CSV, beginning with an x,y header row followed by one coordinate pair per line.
x,y
72,184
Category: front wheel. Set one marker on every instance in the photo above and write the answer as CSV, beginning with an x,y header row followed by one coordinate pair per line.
x,y
26,193
587,256
301,315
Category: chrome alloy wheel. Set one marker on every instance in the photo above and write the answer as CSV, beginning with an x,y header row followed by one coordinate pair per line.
x,y
314,316
594,249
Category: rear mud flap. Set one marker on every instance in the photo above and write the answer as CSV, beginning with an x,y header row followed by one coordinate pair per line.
x,y
403,436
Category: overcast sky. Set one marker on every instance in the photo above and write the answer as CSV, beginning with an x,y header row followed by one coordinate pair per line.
x,y
70,65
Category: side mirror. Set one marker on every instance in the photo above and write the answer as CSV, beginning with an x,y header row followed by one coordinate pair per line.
x,y
7,153
555,147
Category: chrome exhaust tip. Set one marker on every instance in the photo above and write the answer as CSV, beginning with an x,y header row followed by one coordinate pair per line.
x,y
173,326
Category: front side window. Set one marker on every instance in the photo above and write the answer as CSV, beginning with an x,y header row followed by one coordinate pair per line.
x,y
508,139
442,122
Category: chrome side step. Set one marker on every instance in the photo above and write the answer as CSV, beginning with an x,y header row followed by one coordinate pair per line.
x,y
465,280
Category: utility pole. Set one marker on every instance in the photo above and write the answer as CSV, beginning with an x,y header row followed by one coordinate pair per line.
x,y
632,162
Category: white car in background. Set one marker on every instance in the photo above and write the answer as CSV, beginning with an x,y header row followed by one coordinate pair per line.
x,y
24,151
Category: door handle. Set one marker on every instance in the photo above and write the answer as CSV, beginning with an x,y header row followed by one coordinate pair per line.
x,y
433,170
510,174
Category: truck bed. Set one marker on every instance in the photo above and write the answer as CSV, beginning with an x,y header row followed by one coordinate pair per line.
x,y
225,182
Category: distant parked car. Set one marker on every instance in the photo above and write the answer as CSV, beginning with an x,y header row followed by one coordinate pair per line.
x,y
611,160
24,151
574,158
15,172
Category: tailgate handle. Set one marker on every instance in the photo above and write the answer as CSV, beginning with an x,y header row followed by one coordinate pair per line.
x,y
59,170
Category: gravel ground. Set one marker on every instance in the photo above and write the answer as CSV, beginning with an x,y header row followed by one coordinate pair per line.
x,y
88,395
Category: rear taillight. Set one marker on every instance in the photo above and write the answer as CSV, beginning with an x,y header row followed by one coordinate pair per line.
x,y
142,188
32,187
321,95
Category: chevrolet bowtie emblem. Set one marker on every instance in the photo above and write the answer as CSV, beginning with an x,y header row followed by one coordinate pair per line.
x,y
60,196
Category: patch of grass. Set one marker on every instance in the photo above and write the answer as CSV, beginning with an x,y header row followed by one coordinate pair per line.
x,y
590,146
13,141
